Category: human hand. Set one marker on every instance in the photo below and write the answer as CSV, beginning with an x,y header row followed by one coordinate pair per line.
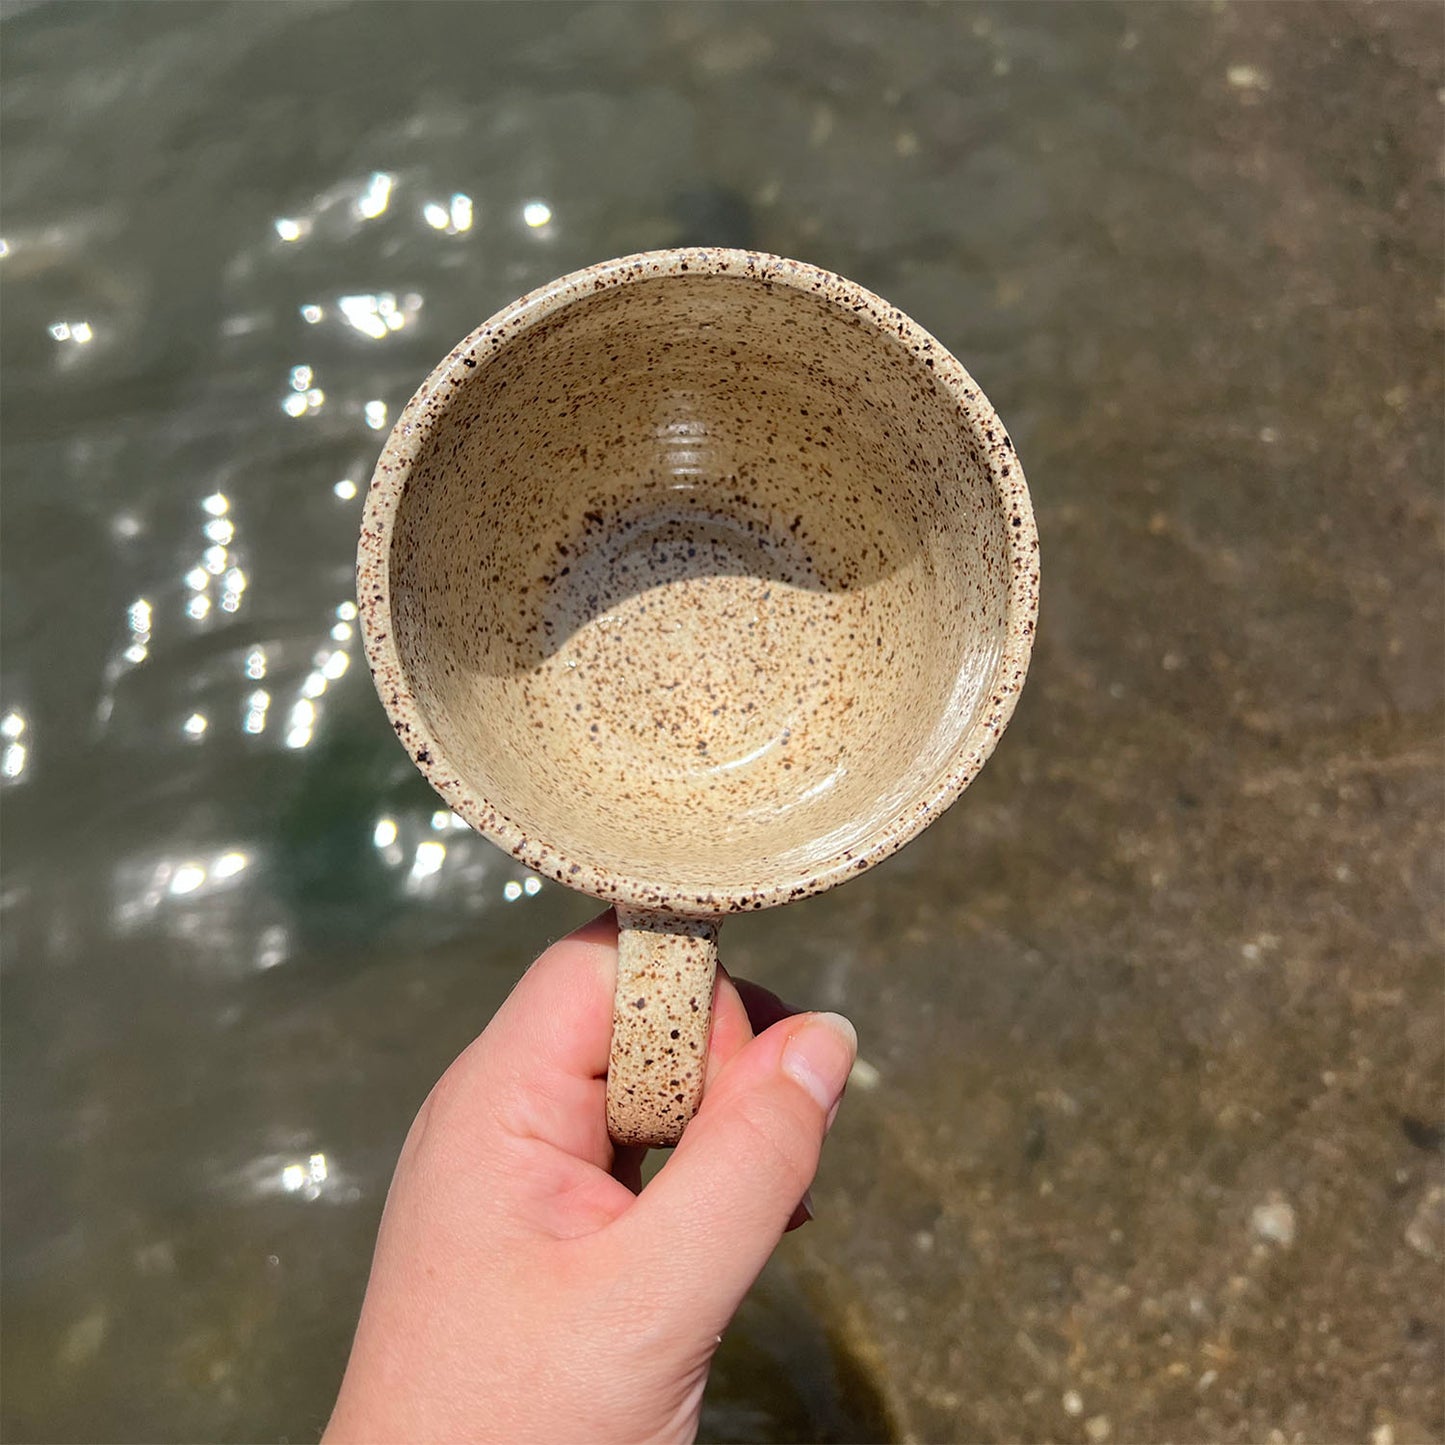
x,y
522,1288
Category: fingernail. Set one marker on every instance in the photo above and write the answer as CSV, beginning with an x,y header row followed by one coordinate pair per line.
x,y
819,1056
806,1204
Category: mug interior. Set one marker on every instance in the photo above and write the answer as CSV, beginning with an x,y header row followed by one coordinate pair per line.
x,y
700,580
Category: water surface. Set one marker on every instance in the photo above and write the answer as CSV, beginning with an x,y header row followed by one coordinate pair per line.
x,y
1173,960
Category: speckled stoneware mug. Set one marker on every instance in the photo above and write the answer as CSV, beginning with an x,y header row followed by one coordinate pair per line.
x,y
700,581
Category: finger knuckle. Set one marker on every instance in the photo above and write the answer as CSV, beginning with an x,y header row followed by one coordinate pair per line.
x,y
772,1133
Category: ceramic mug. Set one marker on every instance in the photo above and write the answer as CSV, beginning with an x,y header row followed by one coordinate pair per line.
x,y
699,580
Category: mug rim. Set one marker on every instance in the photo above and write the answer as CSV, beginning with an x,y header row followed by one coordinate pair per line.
x,y
409,435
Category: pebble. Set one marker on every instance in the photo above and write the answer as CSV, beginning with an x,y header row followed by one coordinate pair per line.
x,y
82,1341
1247,77
1098,1428
1425,1233
1073,1403
1273,1221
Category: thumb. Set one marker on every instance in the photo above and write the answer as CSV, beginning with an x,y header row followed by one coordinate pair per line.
x,y
720,1205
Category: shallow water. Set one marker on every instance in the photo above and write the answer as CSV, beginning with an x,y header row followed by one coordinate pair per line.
x,y
1173,960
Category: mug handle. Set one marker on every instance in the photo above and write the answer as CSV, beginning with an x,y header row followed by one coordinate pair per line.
x,y
661,1015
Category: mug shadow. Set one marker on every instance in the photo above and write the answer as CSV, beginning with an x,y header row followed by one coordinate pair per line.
x,y
715,566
